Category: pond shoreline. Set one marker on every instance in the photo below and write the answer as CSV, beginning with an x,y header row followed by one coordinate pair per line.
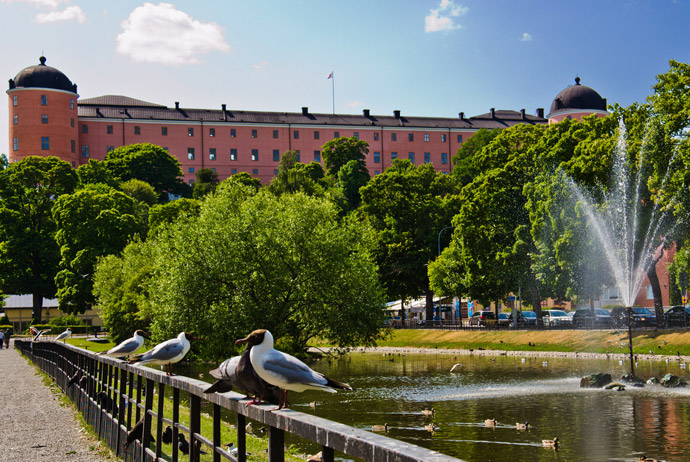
x,y
522,353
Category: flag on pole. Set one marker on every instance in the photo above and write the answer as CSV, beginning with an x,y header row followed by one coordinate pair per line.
x,y
330,76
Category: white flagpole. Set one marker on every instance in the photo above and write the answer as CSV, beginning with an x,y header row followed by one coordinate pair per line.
x,y
333,89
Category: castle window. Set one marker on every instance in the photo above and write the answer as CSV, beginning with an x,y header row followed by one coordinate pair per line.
x,y
296,134
255,171
109,129
317,156
137,130
190,153
377,157
275,134
427,157
71,103
109,148
15,100
443,137
212,154
276,155
44,100
316,134
356,135
73,146
297,155
394,137
394,155
410,137
426,137
85,128
45,143
233,154
255,154
233,171
410,156
44,118
85,151
190,131
459,138
444,157
336,134
164,131
233,133
254,133
71,122
15,119
376,136
191,169
15,144
211,132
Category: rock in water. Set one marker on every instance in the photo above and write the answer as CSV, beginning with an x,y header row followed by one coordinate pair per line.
x,y
595,380
673,381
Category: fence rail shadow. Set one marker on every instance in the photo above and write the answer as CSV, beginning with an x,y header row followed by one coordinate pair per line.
x,y
113,396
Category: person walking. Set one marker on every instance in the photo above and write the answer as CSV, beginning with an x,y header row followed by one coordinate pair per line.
x,y
7,339
2,339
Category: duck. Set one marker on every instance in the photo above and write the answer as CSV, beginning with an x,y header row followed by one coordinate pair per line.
x,y
312,404
430,428
554,443
379,428
644,458
490,422
283,370
522,426
429,412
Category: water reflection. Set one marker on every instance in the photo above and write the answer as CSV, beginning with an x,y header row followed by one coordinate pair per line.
x,y
592,424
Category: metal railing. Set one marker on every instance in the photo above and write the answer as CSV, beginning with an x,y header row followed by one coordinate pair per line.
x,y
113,396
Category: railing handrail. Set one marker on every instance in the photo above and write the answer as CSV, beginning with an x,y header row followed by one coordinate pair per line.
x,y
336,436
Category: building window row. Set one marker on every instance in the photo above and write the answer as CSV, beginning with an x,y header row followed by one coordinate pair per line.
x,y
45,143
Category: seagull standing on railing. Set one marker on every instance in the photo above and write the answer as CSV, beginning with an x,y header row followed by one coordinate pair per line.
x,y
283,370
166,353
129,346
64,336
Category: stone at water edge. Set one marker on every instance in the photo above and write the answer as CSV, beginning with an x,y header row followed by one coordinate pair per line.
x,y
634,381
673,381
653,381
595,380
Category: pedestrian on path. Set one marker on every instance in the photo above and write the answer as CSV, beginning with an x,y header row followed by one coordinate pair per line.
x,y
7,339
2,339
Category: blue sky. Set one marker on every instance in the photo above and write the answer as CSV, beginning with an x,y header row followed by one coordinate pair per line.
x,y
423,57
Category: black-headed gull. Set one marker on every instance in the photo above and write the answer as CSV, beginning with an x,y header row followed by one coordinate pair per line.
x,y
129,346
64,336
283,370
166,353
237,372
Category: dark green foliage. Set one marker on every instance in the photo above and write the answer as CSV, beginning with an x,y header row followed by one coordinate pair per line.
x,y
206,182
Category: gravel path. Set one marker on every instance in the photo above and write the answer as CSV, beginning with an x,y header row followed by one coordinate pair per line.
x,y
33,423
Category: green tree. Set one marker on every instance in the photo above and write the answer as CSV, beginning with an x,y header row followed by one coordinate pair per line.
x,y
671,100
4,161
91,223
120,286
206,182
466,165
150,163
257,260
29,255
95,172
163,214
338,152
245,179
351,178
141,191
408,206
294,176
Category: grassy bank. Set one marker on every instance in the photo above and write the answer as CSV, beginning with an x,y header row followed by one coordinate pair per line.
x,y
666,342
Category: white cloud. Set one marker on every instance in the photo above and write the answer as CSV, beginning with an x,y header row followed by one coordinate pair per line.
x,y
441,19
164,35
355,104
526,37
260,65
68,14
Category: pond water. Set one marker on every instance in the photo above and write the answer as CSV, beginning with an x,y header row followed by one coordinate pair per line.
x,y
592,424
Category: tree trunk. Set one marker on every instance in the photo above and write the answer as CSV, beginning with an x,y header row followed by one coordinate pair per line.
x,y
37,307
536,306
429,305
656,290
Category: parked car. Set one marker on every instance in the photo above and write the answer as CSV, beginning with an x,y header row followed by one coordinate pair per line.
x,y
677,316
482,318
639,317
530,317
583,318
556,318
504,319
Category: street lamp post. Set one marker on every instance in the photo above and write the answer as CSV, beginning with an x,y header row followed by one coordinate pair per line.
x,y
439,237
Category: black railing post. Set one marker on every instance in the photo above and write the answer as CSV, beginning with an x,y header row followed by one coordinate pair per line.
x,y
124,404
327,454
276,445
148,405
241,438
159,419
194,426
176,421
216,432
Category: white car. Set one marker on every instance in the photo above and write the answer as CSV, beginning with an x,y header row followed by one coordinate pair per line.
x,y
556,318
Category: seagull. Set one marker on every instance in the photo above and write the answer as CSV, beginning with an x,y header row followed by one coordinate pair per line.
x,y
63,336
455,366
37,333
237,372
166,353
283,370
129,346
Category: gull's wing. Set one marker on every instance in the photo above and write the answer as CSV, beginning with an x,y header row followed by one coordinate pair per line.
x,y
292,370
127,347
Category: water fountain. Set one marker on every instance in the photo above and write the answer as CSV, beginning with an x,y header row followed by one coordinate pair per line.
x,y
629,232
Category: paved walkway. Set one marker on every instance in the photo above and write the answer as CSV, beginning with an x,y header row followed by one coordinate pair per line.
x,y
33,423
